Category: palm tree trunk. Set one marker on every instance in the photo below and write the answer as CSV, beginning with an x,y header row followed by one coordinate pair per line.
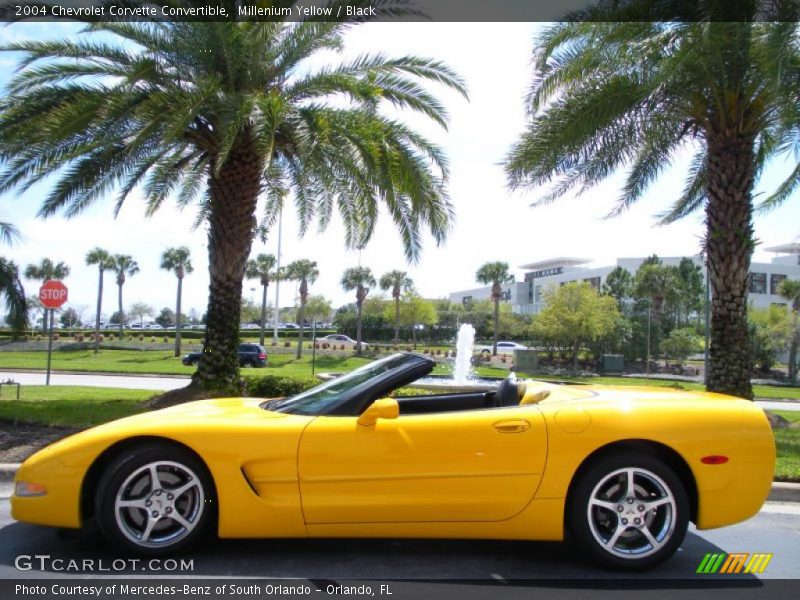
x,y
178,318
358,327
99,310
397,320
300,317
120,313
263,313
496,325
233,193
729,244
414,335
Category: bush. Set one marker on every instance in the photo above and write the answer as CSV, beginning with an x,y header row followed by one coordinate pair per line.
x,y
287,344
274,386
166,340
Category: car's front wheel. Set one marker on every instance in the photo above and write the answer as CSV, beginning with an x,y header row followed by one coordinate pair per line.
x,y
155,501
629,512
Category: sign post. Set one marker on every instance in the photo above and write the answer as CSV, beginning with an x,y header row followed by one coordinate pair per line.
x,y
52,295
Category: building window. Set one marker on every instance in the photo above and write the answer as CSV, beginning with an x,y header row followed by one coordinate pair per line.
x,y
466,301
594,282
537,294
758,283
774,282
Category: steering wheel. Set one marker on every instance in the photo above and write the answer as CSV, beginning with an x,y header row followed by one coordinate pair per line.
x,y
507,393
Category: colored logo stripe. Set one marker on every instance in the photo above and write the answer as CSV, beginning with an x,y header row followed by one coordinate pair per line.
x,y
736,562
758,563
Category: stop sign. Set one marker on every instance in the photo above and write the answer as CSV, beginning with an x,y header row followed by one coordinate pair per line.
x,y
53,294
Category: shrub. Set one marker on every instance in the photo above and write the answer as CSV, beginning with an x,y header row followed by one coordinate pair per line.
x,y
287,344
166,340
153,340
141,337
55,337
274,386
341,347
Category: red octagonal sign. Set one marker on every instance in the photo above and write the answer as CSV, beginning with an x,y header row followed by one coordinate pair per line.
x,y
53,294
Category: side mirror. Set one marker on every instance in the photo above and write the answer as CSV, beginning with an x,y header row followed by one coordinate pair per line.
x,y
385,408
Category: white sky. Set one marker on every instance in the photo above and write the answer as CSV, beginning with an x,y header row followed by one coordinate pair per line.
x,y
491,224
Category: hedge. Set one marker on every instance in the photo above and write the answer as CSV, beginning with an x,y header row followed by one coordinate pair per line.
x,y
275,386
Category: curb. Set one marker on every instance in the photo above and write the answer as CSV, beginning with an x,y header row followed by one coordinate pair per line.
x,y
780,492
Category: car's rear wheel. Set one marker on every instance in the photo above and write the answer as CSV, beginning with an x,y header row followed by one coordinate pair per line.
x,y
155,501
629,512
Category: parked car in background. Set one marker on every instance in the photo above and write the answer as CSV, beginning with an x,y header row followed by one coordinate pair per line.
x,y
338,338
250,355
503,347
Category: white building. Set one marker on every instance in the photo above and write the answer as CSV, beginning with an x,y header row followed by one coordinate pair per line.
x,y
527,296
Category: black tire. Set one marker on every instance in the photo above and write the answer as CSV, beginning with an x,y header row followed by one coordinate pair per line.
x,y
149,530
615,536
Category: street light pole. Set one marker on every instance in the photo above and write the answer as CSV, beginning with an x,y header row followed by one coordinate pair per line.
x,y
708,324
647,362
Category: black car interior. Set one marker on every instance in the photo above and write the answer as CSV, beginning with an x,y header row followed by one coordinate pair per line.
x,y
508,393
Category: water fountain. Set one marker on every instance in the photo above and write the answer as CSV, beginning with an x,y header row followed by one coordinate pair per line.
x,y
464,378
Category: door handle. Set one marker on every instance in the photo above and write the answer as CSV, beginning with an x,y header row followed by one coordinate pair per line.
x,y
512,426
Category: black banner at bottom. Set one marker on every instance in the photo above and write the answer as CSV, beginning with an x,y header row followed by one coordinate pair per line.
x,y
427,589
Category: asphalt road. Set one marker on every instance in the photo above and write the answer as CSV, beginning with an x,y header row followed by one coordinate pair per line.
x,y
133,382
774,530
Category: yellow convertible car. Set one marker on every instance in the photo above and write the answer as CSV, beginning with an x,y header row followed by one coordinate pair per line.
x,y
621,470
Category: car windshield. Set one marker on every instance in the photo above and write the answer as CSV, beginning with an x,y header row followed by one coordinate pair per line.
x,y
318,399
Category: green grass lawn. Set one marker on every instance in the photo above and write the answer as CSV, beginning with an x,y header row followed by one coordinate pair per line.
x,y
787,441
72,406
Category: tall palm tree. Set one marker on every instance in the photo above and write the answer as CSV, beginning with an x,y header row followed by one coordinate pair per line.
x,y
14,294
263,269
359,279
103,260
495,274
615,94
790,289
45,271
306,272
177,261
398,281
124,267
219,113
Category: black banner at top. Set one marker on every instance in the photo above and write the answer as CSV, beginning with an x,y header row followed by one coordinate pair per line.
x,y
399,10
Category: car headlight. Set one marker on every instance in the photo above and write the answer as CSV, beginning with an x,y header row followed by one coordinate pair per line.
x,y
26,488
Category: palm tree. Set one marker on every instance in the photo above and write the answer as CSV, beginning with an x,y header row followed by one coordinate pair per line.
x,y
611,94
104,261
359,279
45,271
495,274
263,269
218,113
305,271
124,267
790,289
14,294
398,281
177,261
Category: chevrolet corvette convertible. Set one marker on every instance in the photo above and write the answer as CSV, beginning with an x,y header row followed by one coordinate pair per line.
x,y
620,470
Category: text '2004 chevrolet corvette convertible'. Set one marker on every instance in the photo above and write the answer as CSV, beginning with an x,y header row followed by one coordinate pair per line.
x,y
623,469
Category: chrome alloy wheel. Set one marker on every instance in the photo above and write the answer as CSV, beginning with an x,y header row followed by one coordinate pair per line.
x,y
631,513
159,504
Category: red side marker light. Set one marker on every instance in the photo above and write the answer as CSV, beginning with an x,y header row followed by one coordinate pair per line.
x,y
714,459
